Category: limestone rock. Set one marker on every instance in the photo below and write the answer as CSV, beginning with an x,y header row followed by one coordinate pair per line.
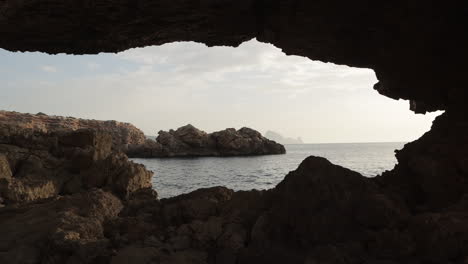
x,y
48,164
190,141
5,170
122,134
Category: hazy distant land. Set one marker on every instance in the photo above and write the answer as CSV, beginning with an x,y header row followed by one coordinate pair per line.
x,y
281,139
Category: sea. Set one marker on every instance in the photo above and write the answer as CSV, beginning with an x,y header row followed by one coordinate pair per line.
x,y
174,176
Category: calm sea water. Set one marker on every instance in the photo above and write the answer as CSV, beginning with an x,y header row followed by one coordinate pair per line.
x,y
174,176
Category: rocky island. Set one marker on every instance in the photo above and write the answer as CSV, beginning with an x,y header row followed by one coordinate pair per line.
x,y
188,141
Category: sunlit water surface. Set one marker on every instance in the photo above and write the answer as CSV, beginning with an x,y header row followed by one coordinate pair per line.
x,y
174,176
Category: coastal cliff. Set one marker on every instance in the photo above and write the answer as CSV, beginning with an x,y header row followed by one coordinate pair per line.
x,y
122,134
188,141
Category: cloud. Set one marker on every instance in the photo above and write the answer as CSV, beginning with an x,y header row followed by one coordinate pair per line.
x,y
254,65
93,66
253,85
49,68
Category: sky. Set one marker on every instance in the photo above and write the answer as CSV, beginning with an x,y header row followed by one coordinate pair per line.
x,y
255,85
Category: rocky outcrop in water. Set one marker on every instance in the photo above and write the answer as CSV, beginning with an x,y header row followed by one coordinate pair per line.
x,y
188,141
122,134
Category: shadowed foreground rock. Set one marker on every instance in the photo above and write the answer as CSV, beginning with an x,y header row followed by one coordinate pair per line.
x,y
69,198
188,141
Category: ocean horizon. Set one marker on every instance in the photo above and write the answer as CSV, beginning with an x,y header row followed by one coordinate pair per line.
x,y
174,176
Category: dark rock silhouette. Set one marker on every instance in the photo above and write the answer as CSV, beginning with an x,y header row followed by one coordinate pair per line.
x,y
415,49
188,141
90,204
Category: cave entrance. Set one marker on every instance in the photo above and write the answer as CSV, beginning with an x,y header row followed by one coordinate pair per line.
x,y
253,85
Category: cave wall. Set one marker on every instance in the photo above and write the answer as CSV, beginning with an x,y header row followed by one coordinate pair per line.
x,y
415,47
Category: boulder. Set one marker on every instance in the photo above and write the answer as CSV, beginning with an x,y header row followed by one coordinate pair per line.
x,y
66,230
75,161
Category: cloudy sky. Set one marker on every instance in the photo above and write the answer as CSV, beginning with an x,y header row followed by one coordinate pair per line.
x,y
168,86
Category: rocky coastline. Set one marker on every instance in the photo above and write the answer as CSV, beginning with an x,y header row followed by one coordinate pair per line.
x,y
188,141
123,134
69,197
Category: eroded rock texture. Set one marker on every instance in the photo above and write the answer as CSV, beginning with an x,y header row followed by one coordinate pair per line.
x,y
36,166
320,213
416,48
67,197
192,142
122,134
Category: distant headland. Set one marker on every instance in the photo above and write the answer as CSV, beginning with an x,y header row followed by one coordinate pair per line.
x,y
282,140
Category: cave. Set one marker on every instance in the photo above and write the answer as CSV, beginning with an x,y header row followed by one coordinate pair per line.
x,y
320,213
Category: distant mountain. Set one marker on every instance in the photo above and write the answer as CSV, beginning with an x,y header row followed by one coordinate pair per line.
x,y
282,140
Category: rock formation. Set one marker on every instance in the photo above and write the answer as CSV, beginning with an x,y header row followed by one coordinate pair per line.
x,y
36,166
67,197
416,49
320,213
122,134
188,141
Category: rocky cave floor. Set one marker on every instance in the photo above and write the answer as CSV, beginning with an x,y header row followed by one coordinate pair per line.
x,y
67,197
